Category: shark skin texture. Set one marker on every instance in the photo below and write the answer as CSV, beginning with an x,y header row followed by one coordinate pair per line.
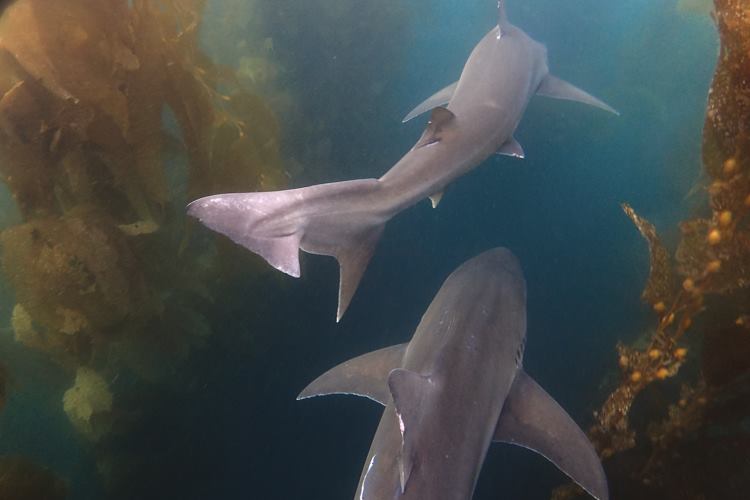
x,y
471,120
455,388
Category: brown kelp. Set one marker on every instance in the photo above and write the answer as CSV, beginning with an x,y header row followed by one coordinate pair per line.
x,y
83,142
111,118
702,289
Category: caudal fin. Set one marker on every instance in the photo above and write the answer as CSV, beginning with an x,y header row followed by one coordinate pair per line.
x,y
326,219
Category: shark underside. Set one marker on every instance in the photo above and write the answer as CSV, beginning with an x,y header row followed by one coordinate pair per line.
x,y
455,388
471,120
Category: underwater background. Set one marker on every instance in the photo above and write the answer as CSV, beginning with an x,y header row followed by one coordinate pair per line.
x,y
178,378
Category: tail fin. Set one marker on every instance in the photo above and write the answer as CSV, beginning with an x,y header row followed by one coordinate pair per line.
x,y
328,219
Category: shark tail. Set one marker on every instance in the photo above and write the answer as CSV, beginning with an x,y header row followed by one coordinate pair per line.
x,y
335,219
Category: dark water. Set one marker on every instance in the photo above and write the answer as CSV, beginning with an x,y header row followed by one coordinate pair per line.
x,y
238,431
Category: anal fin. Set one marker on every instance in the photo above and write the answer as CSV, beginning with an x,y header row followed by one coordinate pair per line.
x,y
532,419
366,376
513,148
436,198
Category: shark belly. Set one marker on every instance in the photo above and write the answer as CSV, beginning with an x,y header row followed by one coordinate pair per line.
x,y
457,386
428,170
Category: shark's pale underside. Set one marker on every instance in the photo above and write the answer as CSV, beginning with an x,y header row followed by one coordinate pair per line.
x,y
346,219
455,388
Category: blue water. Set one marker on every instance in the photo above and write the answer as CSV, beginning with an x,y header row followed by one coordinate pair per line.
x,y
238,432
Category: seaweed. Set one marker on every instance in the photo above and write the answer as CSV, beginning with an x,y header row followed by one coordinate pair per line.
x,y
88,404
712,261
105,276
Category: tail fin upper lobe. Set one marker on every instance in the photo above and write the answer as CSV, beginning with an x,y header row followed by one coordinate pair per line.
x,y
334,219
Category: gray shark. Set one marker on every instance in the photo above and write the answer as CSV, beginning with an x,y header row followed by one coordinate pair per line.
x,y
455,388
346,219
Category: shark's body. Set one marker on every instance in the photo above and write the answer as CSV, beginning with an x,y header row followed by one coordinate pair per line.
x,y
346,219
455,388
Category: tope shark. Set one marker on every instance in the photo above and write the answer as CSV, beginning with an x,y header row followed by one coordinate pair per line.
x,y
455,388
471,120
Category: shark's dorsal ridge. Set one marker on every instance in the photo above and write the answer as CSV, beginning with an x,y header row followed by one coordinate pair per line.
x,y
365,376
533,420
440,98
440,122
558,88
408,390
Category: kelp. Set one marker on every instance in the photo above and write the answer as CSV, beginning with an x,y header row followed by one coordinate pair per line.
x,y
712,260
82,263
88,404
105,279
660,285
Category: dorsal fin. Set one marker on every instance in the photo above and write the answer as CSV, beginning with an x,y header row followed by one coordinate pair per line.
x,y
440,122
408,390
365,376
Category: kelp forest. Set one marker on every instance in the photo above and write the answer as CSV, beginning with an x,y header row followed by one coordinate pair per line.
x,y
114,114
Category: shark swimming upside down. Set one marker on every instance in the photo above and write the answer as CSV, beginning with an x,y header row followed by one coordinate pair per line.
x,y
456,387
471,120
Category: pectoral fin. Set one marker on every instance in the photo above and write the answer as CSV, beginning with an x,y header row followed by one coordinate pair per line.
x,y
557,88
366,376
441,98
532,419
409,390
